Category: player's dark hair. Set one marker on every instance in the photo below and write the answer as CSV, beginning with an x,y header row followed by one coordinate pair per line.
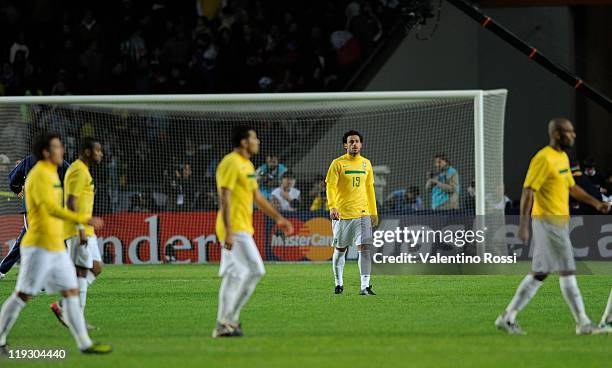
x,y
350,133
288,175
239,133
442,156
87,143
42,142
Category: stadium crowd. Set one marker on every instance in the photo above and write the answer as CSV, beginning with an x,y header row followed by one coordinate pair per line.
x,y
205,46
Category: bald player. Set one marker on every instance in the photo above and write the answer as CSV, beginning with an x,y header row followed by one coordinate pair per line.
x,y
545,197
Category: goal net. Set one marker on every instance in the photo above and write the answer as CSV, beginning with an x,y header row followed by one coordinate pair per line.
x,y
156,191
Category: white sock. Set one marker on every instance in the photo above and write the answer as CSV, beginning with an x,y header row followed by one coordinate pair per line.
x,y
524,293
607,316
83,285
338,262
76,322
365,267
227,296
246,289
8,315
571,294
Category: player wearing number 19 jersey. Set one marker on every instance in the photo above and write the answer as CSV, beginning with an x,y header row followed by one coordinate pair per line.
x,y
352,208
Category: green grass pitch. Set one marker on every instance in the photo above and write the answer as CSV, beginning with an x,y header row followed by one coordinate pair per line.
x,y
163,315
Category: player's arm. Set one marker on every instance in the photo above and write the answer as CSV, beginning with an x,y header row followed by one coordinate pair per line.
x,y
331,187
537,173
17,177
265,206
525,213
71,205
75,185
579,194
450,186
371,196
225,198
42,194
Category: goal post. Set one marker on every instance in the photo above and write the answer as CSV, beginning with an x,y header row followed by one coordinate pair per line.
x,y
154,142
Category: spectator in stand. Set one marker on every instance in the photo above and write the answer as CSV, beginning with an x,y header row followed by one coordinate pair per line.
x,y
89,29
597,179
582,181
365,25
134,48
607,194
405,200
498,200
443,182
318,195
269,174
8,83
19,46
286,197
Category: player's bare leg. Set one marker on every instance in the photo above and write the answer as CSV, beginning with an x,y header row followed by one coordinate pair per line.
x,y
338,261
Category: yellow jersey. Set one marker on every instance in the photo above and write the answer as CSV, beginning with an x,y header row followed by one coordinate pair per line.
x,y
350,187
550,177
237,173
46,215
78,183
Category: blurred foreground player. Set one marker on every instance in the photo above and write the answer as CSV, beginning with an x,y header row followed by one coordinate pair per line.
x,y
241,264
45,262
546,191
17,179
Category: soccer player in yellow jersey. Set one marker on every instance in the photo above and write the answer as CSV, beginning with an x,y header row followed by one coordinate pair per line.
x,y
241,264
44,260
81,240
352,208
545,197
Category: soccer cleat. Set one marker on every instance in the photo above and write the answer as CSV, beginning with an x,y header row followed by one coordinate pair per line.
x,y
502,323
367,291
227,330
238,331
4,350
2,276
605,324
97,348
592,329
339,289
57,310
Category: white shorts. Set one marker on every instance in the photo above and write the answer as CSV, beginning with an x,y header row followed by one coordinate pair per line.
x,y
350,232
41,268
84,255
552,248
243,260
